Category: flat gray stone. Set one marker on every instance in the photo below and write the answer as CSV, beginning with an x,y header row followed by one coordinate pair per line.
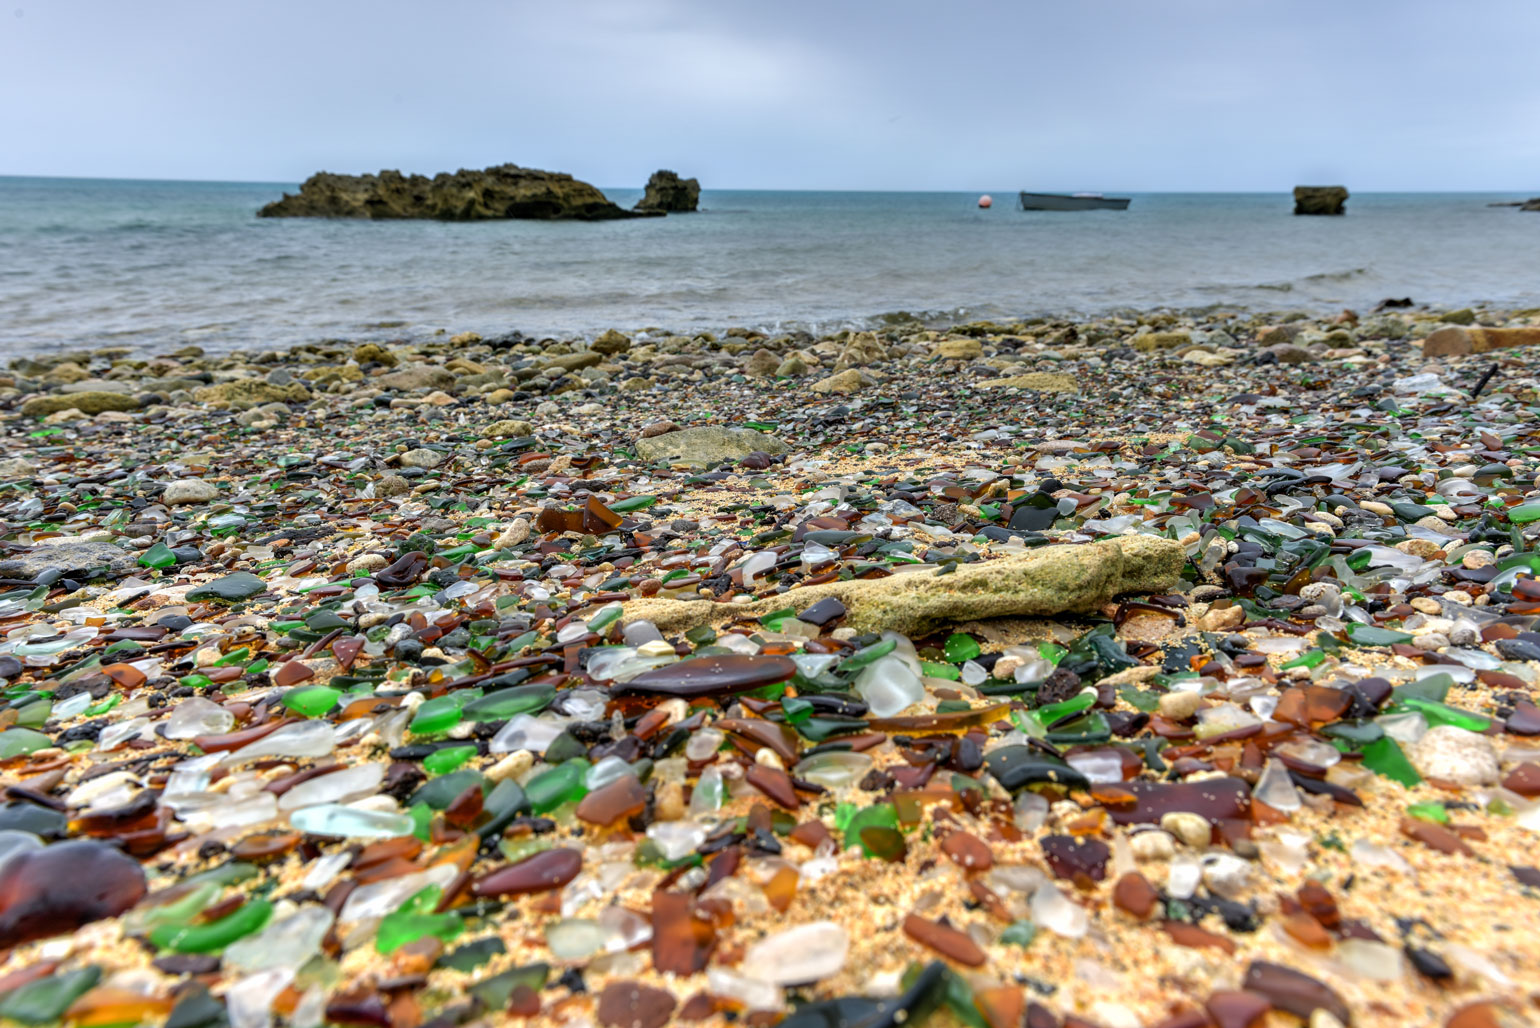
x,y
707,445
102,559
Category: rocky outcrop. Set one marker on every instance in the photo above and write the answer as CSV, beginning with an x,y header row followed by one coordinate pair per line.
x,y
504,191
1319,199
667,193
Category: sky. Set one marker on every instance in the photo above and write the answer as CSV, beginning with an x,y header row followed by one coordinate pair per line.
x,y
1138,95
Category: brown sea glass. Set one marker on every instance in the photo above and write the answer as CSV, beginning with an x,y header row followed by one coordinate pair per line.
x,y
750,734
681,941
774,783
1235,1008
941,724
968,851
1312,705
944,939
633,1005
1133,894
61,887
1193,937
622,798
546,870
1140,802
1294,991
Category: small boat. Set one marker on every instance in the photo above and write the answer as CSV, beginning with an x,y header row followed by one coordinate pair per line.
x,y
1072,202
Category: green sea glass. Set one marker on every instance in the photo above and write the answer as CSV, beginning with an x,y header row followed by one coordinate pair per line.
x,y
561,784
215,935
415,920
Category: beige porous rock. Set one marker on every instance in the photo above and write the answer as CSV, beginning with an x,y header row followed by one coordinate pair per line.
x,y
1045,581
1037,381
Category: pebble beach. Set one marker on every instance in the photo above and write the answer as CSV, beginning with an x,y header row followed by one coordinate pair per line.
x,y
1173,669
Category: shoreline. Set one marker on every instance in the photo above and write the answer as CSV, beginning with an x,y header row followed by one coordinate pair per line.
x,y
1123,320
1280,551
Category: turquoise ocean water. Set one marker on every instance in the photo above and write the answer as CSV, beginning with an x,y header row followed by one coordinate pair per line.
x,y
158,265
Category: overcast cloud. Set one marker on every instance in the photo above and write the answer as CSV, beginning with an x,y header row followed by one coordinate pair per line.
x,y
792,94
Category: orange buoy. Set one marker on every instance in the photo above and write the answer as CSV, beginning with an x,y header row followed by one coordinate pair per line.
x,y
986,200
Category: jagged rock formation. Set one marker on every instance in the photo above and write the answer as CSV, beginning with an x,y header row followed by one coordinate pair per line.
x,y
668,193
504,191
1319,199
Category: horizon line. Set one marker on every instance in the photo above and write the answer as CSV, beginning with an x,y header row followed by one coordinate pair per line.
x,y
765,189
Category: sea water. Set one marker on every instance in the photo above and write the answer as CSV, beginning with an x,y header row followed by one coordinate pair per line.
x,y
160,265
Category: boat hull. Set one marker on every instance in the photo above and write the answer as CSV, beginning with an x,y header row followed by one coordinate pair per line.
x,y
1063,202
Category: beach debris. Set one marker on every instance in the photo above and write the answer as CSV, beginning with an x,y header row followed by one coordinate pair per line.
x,y
467,682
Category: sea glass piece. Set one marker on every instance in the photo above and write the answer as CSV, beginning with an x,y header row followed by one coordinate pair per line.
x,y
437,715
1371,635
286,943
1053,910
1076,859
195,716
157,556
58,888
951,943
526,732
415,919
109,1005
834,769
447,759
16,742
44,1001
1276,788
622,798
1016,767
878,815
1384,756
546,870
312,700
1312,705
340,786
350,822
723,675
1142,802
960,647
889,685
682,943
1294,991
301,739
505,703
561,784
214,935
